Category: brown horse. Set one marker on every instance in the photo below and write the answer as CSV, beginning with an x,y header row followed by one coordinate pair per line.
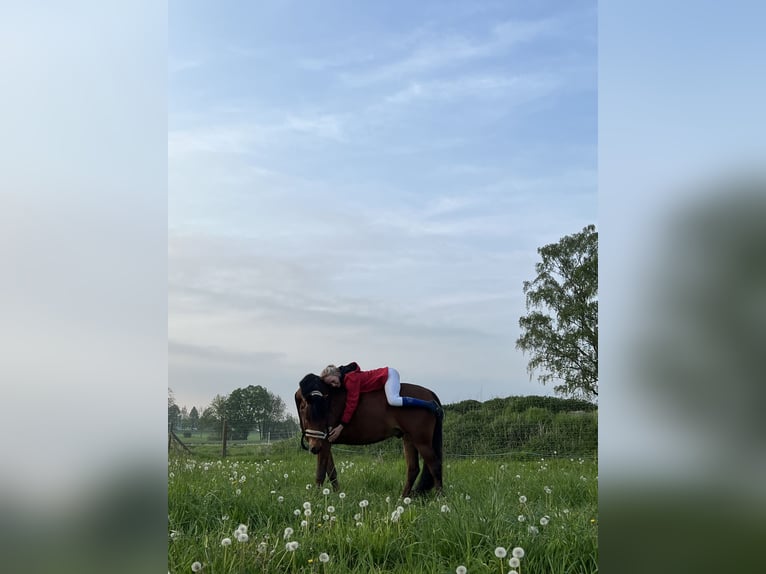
x,y
320,407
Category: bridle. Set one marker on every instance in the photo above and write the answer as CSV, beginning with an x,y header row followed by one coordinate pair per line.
x,y
313,433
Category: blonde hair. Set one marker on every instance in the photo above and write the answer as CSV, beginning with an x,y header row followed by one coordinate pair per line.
x,y
330,370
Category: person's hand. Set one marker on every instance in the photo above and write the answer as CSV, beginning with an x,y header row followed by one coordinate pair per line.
x,y
335,433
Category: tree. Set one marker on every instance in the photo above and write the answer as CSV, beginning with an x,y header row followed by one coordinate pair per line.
x,y
561,330
174,413
194,418
212,416
253,407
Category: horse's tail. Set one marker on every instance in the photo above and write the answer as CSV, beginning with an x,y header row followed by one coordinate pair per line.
x,y
436,442
427,481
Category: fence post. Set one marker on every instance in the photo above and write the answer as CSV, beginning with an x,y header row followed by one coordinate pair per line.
x,y
223,452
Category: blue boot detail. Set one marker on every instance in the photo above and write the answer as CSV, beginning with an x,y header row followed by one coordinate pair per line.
x,y
432,406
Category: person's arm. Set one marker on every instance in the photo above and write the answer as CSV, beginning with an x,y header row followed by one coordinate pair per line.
x,y
352,400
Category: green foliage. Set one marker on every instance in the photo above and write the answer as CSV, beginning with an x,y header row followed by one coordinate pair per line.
x,y
194,418
250,407
561,330
174,416
521,427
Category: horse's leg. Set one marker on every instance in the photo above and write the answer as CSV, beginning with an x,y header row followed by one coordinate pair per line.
x,y
322,466
432,479
413,464
331,470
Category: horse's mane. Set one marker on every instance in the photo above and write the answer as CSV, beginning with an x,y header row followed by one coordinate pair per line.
x,y
315,392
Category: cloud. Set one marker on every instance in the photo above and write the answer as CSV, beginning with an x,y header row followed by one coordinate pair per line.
x,y
217,355
436,53
246,137
177,66
216,139
515,89
323,125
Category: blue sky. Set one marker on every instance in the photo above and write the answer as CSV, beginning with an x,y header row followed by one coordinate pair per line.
x,y
370,182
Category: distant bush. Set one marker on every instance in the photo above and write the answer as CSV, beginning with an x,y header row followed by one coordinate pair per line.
x,y
521,425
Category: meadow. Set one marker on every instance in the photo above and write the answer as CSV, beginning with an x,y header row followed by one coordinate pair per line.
x,y
259,511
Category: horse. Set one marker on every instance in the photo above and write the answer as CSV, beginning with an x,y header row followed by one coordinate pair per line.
x,y
320,407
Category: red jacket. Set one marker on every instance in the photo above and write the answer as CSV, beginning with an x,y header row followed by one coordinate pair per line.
x,y
358,381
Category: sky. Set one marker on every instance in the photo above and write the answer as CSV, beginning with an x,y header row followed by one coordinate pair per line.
x,y
370,182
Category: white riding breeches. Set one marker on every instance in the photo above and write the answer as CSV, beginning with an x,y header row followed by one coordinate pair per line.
x,y
392,388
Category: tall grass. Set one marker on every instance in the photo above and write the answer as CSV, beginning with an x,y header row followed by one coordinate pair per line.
x,y
481,509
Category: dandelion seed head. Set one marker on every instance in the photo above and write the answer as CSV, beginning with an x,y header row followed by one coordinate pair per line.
x,y
238,492
514,562
461,570
518,552
533,530
363,503
522,499
297,512
288,533
544,521
307,505
522,518
326,491
400,509
342,495
324,558
308,487
307,512
280,499
500,552
243,537
196,566
226,542
407,500
286,475
547,490
445,508
304,523
330,509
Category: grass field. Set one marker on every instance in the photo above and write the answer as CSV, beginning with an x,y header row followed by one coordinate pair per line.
x,y
547,507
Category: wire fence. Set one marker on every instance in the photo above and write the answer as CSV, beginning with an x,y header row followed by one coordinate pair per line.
x,y
519,427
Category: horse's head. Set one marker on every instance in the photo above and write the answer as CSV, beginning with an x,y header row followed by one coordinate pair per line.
x,y
313,403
